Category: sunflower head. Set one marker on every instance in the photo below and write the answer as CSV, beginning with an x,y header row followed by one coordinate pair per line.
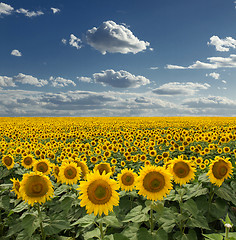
x,y
182,170
16,187
219,170
43,166
83,166
98,193
35,187
56,170
69,173
103,167
8,161
127,179
154,182
27,161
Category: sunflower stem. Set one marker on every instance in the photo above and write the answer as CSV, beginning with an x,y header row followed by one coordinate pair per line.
x,y
151,220
101,229
40,222
226,233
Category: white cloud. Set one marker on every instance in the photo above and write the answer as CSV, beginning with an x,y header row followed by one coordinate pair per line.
x,y
120,79
213,75
214,63
64,41
84,79
109,103
28,79
114,38
28,13
222,45
74,41
55,10
5,9
16,53
61,82
6,82
177,88
154,68
210,102
169,66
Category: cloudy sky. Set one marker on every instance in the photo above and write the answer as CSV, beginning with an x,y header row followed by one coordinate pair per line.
x,y
118,58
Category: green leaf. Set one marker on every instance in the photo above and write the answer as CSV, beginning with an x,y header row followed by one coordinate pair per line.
x,y
144,234
55,225
119,236
66,203
20,207
194,190
131,231
136,215
14,228
30,223
168,219
219,208
92,234
190,206
192,235
4,173
199,222
203,178
85,221
226,192
213,236
24,236
4,202
63,188
112,221
162,234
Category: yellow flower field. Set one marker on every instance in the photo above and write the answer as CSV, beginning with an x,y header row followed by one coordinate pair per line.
x,y
116,178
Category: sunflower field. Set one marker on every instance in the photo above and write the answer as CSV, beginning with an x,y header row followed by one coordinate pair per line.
x,y
118,178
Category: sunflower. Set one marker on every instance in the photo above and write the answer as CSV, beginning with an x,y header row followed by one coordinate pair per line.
x,y
43,166
27,161
93,160
101,167
154,182
83,166
56,170
98,193
69,173
8,161
36,187
182,170
16,187
219,170
127,179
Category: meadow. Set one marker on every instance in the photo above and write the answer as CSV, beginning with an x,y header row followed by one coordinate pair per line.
x,y
118,178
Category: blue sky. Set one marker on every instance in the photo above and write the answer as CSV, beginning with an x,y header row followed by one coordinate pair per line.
x,y
118,58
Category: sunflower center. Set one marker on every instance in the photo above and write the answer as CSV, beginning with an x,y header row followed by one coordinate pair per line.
x,y
154,182
28,161
17,186
102,168
8,160
56,170
36,186
99,192
127,179
219,169
42,167
70,172
181,169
